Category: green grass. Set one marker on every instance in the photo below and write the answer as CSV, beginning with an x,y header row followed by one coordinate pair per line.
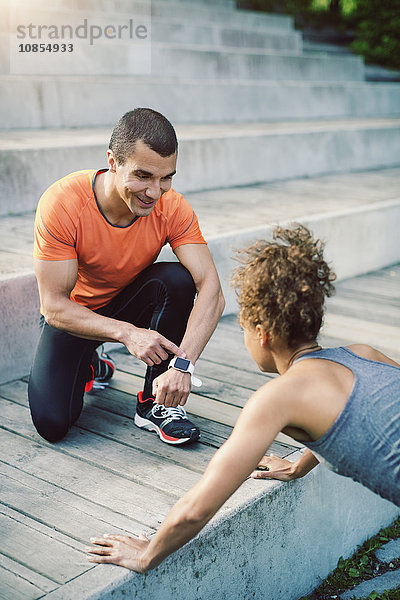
x,y
363,565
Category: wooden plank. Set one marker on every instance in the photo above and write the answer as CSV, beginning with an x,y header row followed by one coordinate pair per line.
x,y
92,483
109,458
196,405
219,391
13,587
20,541
124,431
211,431
353,330
366,309
210,372
40,582
371,286
121,430
217,410
229,350
14,390
66,513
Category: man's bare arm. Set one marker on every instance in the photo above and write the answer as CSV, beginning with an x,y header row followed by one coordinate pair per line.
x,y
210,302
56,280
172,388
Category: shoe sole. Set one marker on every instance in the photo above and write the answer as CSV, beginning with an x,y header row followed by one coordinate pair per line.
x,y
150,426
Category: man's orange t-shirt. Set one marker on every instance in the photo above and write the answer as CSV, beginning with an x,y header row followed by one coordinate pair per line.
x,y
69,224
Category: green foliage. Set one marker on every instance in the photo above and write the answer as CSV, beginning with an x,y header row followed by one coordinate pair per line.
x,y
290,7
378,31
359,567
375,23
315,13
392,595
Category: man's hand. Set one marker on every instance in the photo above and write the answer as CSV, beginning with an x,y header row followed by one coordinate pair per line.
x,y
172,388
150,346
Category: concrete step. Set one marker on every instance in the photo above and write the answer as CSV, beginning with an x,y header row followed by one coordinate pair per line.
x,y
28,101
193,61
175,25
219,34
357,214
230,4
210,155
189,61
179,21
55,11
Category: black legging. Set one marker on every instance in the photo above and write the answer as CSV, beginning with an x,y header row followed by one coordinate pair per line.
x,y
160,298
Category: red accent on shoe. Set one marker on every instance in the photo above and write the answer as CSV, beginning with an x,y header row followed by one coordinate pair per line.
x,y
89,384
109,363
140,398
172,439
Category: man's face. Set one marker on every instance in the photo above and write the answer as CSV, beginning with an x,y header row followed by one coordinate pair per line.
x,y
143,178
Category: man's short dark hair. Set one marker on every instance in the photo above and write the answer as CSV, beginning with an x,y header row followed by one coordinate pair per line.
x,y
143,124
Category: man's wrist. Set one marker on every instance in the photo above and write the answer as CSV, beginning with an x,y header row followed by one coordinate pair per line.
x,y
185,366
123,332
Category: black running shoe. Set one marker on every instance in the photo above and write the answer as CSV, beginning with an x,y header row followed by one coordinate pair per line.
x,y
171,424
101,369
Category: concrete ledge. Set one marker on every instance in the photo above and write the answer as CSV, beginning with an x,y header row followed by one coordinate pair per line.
x,y
358,241
19,325
271,541
51,101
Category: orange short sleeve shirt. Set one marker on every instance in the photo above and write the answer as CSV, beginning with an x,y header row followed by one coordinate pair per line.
x,y
70,225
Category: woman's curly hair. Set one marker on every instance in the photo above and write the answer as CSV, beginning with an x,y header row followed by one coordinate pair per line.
x,y
282,285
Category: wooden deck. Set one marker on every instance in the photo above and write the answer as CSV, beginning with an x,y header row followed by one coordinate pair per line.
x,y
108,475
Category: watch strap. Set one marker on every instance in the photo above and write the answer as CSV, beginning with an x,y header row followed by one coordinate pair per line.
x,y
190,369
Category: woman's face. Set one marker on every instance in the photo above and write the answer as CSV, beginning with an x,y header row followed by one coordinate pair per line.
x,y
256,342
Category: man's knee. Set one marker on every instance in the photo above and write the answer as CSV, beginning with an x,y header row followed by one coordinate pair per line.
x,y
51,429
177,278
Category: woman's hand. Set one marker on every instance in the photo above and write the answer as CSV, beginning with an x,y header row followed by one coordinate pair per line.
x,y
274,467
121,550
280,468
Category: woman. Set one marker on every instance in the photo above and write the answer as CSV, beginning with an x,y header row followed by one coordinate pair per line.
x,y
343,403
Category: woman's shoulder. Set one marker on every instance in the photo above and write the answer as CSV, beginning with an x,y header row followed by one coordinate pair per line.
x,y
371,353
291,387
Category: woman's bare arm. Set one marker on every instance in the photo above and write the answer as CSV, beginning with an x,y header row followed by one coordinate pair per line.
x,y
260,421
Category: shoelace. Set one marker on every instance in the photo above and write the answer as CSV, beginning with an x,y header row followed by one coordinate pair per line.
x,y
100,385
173,414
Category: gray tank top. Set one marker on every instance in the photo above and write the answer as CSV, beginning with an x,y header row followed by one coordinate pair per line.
x,y
364,441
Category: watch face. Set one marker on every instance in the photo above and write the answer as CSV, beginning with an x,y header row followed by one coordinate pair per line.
x,y
182,363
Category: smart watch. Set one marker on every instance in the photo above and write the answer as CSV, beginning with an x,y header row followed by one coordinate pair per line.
x,y
184,365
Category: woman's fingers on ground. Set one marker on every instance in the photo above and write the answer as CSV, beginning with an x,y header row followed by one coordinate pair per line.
x,y
101,541
261,475
115,536
101,550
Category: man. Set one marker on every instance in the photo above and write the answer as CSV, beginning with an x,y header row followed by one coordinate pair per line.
x,y
97,235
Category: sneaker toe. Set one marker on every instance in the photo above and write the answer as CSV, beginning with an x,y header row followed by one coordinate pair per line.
x,y
190,431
